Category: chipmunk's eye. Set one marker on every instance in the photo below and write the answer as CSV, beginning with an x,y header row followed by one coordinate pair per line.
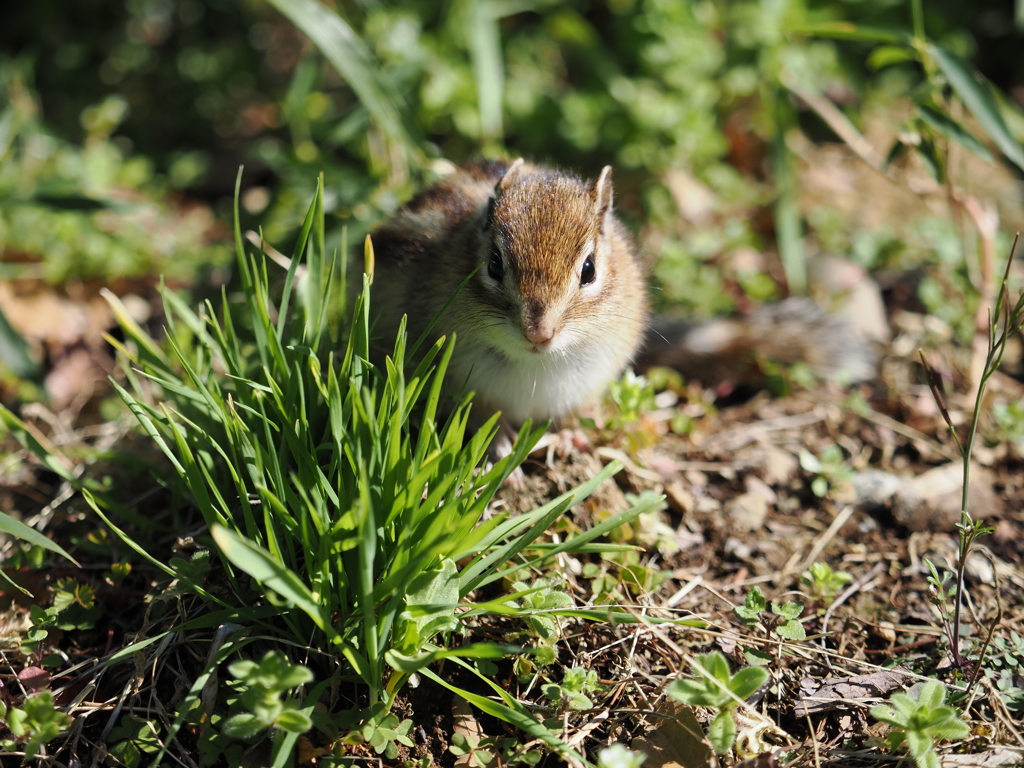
x,y
588,274
495,267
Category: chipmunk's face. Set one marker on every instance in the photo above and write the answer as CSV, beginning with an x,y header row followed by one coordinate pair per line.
x,y
545,262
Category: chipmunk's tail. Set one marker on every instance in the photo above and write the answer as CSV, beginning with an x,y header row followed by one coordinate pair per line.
x,y
734,349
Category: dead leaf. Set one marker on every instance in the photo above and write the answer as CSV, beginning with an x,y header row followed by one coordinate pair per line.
x,y
678,742
841,693
990,759
465,723
34,678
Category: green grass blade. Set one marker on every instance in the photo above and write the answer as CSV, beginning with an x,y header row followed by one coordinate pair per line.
x,y
19,530
354,62
14,352
407,664
512,712
845,30
24,435
953,130
262,566
976,97
488,558
788,231
139,550
134,331
300,247
488,67
148,425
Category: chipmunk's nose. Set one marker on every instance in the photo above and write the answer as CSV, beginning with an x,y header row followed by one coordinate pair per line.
x,y
539,334
538,326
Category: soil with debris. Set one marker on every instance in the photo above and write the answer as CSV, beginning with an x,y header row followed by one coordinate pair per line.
x,y
867,480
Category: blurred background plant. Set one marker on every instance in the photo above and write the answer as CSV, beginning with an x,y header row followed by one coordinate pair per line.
x,y
687,100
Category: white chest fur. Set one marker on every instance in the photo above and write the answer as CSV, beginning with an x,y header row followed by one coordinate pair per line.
x,y
538,386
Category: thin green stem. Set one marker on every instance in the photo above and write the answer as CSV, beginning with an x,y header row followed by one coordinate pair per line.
x,y
969,529
918,15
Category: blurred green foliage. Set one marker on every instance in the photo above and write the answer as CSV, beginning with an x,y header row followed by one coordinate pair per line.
x,y
176,93
73,212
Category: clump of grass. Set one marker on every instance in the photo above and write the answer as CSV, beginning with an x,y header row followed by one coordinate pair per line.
x,y
338,524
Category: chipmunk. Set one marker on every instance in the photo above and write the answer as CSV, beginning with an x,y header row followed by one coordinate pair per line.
x,y
554,304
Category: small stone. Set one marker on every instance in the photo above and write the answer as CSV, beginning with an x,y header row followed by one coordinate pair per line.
x,y
931,502
748,511
737,548
874,487
696,478
779,466
680,500
707,505
686,540
755,484
886,630
860,298
843,493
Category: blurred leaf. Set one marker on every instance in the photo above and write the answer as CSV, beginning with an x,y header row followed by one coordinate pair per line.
x,y
353,61
930,159
488,66
14,352
747,681
953,130
896,151
788,231
791,630
845,30
977,98
70,203
887,55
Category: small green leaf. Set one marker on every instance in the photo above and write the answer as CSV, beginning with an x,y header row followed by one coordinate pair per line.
x,y
819,486
956,729
886,715
918,742
747,681
243,726
722,732
755,600
579,702
809,462
715,664
294,721
791,630
756,657
788,610
931,695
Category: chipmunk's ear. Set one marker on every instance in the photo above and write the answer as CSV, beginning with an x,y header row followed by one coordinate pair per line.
x,y
601,192
510,174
